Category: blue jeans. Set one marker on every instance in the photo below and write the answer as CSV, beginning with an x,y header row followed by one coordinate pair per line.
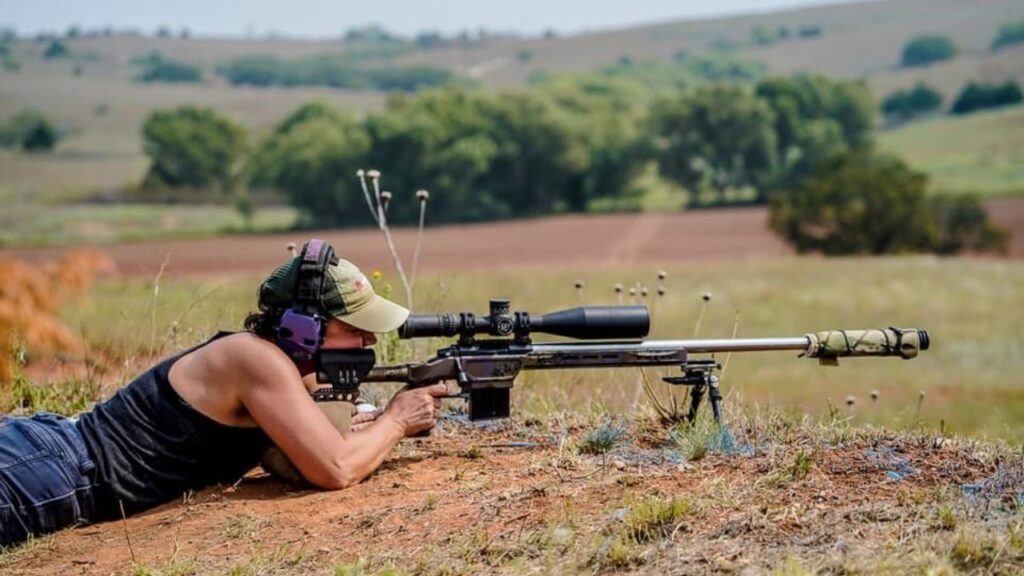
x,y
46,477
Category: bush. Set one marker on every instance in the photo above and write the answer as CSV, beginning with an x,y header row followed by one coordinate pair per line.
x,y
905,104
56,49
809,31
763,36
1009,35
977,96
258,70
925,50
155,68
857,203
407,79
962,224
866,203
335,71
29,131
193,147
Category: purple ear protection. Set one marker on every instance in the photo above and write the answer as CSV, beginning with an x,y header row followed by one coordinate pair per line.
x,y
301,330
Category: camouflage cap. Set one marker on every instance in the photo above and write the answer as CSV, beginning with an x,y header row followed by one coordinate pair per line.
x,y
346,295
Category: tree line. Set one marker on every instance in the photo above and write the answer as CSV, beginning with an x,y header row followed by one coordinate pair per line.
x,y
332,70
572,144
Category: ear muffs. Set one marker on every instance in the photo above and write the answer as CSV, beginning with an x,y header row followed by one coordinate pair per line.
x,y
301,329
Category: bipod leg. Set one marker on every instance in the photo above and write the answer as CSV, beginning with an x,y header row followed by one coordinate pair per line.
x,y
715,395
696,395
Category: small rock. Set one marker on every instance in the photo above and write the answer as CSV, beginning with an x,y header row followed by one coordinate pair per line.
x,y
618,464
561,536
726,565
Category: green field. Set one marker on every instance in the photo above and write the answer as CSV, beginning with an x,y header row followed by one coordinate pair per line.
x,y
33,223
981,152
970,378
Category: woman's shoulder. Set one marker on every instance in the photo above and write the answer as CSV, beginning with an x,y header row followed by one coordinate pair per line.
x,y
246,352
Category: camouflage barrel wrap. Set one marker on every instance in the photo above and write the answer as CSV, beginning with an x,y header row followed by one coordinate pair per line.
x,y
830,345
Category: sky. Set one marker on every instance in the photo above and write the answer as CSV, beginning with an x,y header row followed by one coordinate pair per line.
x,y
310,18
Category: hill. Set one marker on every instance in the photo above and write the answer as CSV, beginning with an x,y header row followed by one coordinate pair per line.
x,y
93,98
982,152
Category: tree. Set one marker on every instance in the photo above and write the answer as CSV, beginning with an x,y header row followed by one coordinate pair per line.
x,y
857,203
603,118
30,131
156,68
491,156
925,50
815,118
718,138
193,147
312,156
979,96
903,105
56,49
1009,35
866,203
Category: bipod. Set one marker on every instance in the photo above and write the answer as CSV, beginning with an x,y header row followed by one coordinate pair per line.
x,y
700,376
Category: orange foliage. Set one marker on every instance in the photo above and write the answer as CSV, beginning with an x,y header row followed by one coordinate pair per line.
x,y
29,297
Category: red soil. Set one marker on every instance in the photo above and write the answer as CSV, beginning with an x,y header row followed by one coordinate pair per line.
x,y
462,500
563,241
595,240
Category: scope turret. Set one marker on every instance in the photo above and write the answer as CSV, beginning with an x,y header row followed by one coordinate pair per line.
x,y
583,323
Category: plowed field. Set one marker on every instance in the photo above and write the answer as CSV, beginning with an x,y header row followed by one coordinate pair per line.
x,y
568,241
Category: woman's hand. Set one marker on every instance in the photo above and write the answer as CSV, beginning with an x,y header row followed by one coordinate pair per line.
x,y
415,409
364,419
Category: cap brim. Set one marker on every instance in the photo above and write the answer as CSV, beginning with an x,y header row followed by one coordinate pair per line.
x,y
380,315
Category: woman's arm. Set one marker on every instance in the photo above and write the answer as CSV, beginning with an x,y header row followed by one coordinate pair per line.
x,y
273,394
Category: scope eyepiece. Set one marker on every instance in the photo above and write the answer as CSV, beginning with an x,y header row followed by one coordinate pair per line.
x,y
583,323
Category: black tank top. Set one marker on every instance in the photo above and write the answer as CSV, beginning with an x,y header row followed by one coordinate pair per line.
x,y
150,446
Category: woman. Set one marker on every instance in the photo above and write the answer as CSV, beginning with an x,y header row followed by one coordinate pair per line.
x,y
205,415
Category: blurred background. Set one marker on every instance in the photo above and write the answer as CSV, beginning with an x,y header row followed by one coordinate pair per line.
x,y
808,163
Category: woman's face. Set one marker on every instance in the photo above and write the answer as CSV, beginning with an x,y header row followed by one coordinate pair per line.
x,y
340,335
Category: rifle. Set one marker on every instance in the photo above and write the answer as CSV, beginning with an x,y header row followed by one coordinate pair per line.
x,y
486,368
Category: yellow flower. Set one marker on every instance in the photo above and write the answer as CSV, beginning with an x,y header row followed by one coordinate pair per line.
x,y
375,275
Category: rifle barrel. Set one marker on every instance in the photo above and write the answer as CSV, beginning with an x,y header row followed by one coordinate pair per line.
x,y
698,346
826,346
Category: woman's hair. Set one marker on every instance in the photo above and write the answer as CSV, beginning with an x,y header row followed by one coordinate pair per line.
x,y
264,323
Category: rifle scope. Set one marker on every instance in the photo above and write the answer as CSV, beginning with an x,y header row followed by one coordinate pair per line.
x,y
584,323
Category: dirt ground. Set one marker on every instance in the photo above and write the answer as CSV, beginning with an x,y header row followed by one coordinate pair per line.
x,y
565,241
517,498
559,241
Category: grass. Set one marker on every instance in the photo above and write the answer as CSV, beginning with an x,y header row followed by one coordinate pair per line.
x,y
653,518
981,152
33,223
970,377
601,439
